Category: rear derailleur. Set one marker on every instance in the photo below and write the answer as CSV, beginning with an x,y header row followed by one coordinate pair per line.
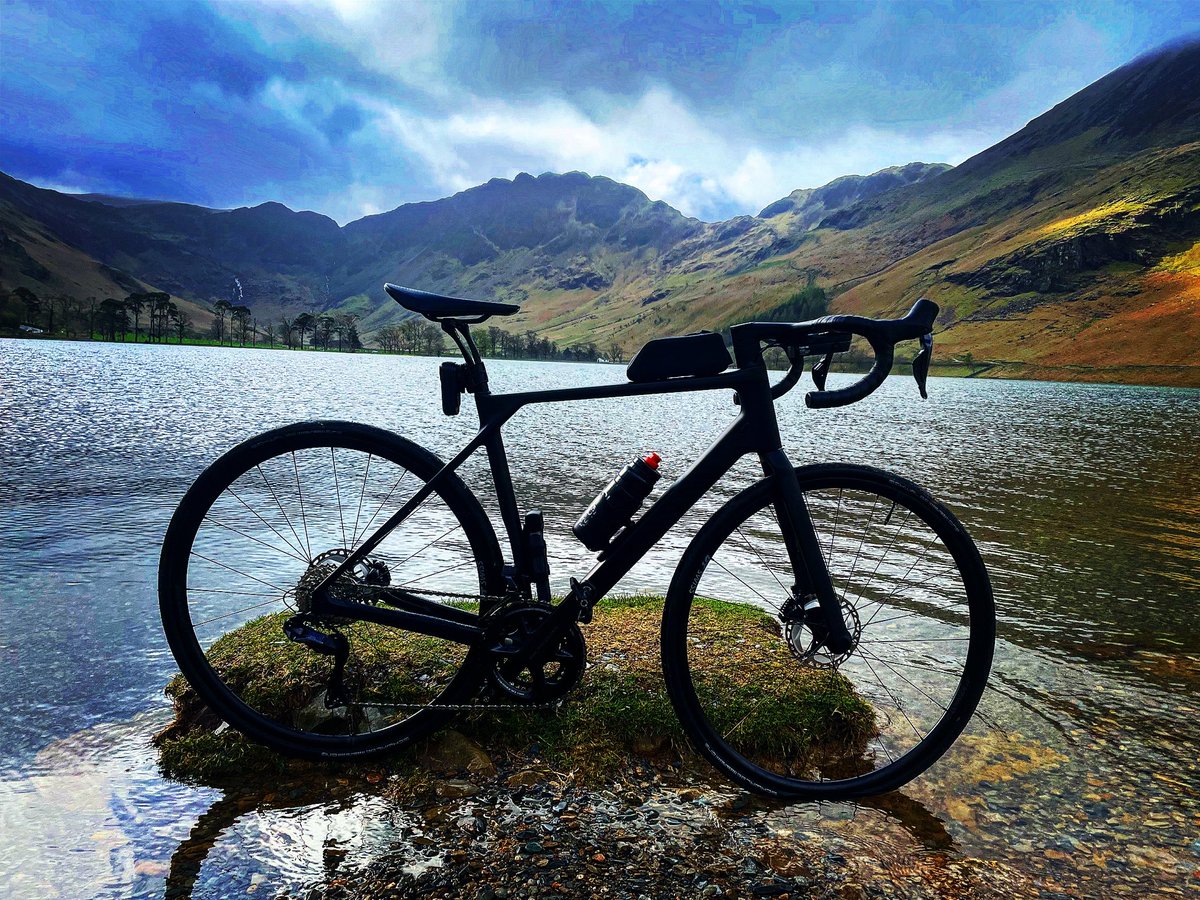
x,y
334,644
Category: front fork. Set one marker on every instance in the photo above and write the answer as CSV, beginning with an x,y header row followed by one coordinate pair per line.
x,y
800,537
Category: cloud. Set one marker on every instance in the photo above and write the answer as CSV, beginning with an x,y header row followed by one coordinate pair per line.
x,y
350,107
654,142
710,165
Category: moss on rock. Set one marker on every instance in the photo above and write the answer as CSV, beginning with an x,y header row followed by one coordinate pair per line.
x,y
740,665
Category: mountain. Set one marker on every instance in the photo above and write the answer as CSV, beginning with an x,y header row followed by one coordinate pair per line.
x,y
556,241
810,205
1068,250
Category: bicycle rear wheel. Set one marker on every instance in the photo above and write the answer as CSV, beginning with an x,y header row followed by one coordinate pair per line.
x,y
781,716
268,521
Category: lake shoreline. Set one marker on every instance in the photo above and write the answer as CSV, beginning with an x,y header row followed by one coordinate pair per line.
x,y
1169,376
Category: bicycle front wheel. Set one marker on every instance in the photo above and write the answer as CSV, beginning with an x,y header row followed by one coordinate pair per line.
x,y
271,519
768,706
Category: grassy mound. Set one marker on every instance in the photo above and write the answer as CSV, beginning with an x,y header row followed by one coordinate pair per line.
x,y
772,707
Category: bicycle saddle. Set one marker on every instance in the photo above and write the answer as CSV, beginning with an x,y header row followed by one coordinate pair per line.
x,y
438,307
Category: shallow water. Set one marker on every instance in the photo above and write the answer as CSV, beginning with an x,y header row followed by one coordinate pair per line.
x,y
1084,500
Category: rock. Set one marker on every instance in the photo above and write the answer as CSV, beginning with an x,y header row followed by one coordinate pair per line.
x,y
771,888
527,778
471,825
455,789
451,752
650,745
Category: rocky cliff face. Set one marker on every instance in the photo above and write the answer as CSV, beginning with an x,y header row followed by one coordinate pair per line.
x,y
1132,232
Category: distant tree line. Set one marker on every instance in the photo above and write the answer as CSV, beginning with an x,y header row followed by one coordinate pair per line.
x,y
417,337
153,317
108,318
330,331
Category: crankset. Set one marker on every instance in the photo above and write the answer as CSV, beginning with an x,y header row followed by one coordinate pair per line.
x,y
550,677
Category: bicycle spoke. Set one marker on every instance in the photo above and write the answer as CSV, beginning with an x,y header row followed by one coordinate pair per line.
x,y
833,533
361,494
282,511
746,586
264,521
896,700
754,550
452,529
858,552
300,497
907,615
902,677
338,494
888,548
745,716
902,580
196,590
237,612
238,572
256,540
382,503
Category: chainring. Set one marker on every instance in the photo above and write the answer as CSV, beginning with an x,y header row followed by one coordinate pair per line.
x,y
507,630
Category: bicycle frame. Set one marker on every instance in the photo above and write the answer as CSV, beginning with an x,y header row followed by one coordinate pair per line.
x,y
754,431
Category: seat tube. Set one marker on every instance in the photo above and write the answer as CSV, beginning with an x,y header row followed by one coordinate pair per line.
x,y
506,496
804,550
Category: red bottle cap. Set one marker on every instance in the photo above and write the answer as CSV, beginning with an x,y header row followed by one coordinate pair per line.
x,y
652,460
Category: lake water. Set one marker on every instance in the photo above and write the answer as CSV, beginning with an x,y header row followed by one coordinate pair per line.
x,y
1084,500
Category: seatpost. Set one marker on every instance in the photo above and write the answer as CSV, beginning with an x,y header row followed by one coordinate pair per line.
x,y
476,375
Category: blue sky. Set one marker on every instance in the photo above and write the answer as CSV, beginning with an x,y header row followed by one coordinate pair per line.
x,y
350,107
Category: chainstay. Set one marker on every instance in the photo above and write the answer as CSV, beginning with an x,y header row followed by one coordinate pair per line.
x,y
465,707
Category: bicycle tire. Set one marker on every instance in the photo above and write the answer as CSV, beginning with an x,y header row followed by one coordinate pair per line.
x,y
193,528
792,773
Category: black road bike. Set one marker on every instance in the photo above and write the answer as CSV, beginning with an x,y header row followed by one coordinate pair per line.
x,y
365,567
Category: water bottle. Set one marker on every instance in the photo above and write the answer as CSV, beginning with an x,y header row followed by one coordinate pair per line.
x,y
615,506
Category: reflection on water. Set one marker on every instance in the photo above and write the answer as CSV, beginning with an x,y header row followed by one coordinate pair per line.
x,y
1084,499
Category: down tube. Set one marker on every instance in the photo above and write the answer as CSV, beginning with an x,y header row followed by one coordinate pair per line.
x,y
671,506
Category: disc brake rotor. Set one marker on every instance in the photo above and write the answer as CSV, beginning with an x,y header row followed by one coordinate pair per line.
x,y
806,643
